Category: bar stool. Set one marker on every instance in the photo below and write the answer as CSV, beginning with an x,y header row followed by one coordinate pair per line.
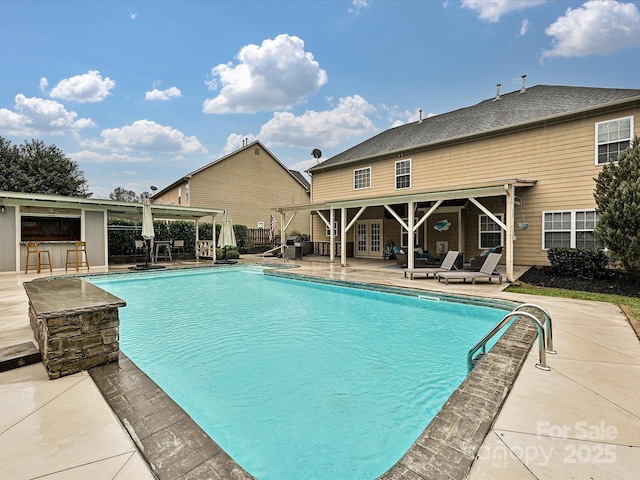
x,y
32,249
77,257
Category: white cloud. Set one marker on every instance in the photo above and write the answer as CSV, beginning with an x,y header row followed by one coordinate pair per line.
x,y
492,10
275,75
167,94
327,129
524,27
148,136
88,156
44,83
88,87
37,116
235,141
598,27
358,5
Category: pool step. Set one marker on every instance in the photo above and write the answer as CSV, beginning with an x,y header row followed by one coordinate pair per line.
x,y
17,356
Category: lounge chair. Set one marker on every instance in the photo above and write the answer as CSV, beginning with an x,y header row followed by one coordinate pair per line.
x,y
476,263
487,271
447,264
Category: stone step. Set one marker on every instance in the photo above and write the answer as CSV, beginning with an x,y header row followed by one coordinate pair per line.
x,y
17,356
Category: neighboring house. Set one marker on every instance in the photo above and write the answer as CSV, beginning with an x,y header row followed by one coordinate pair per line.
x,y
248,183
529,156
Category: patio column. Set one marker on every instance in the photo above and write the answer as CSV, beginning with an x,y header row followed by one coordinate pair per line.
x,y
343,237
410,235
509,233
332,236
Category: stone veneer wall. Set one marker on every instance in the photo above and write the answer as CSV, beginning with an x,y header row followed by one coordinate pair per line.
x,y
74,342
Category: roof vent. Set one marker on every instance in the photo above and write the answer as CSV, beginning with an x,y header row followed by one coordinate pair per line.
x,y
420,116
498,97
524,88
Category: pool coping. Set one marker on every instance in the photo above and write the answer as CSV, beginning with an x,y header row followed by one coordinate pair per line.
x,y
174,446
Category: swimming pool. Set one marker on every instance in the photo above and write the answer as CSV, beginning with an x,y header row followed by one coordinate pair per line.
x,y
304,378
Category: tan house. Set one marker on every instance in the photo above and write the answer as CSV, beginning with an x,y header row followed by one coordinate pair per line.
x,y
516,170
247,183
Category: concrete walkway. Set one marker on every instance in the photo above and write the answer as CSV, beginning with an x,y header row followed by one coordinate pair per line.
x,y
580,420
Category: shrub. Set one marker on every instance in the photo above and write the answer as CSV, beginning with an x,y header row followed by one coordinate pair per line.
x,y
232,253
617,196
588,263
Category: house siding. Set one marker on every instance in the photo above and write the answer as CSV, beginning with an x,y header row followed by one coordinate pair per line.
x,y
250,184
560,157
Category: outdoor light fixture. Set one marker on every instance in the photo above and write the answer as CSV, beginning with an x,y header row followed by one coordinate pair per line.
x,y
2,209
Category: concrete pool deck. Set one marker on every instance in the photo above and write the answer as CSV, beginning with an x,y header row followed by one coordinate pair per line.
x,y
580,420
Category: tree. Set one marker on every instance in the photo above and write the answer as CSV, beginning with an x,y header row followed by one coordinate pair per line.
x,y
38,168
124,195
617,196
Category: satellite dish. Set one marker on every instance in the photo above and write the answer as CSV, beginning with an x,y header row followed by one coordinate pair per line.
x,y
316,153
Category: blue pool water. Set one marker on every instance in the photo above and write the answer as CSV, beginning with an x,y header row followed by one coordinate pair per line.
x,y
297,379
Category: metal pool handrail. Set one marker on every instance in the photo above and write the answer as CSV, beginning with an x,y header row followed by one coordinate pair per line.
x,y
482,344
547,327
274,249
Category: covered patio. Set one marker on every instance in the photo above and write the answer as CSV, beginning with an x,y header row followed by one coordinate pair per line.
x,y
419,208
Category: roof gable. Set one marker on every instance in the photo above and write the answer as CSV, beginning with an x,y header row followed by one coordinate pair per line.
x,y
511,109
296,176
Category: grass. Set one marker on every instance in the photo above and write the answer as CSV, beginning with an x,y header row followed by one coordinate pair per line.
x,y
630,305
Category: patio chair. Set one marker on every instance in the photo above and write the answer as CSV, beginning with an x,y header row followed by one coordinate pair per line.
x,y
447,264
475,263
178,248
487,271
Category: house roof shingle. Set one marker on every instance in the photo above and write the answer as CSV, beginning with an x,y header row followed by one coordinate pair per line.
x,y
535,104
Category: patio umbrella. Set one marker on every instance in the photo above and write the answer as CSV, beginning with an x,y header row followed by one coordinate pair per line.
x,y
227,236
147,226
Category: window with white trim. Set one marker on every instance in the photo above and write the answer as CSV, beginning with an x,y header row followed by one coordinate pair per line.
x,y
335,230
403,174
570,229
490,234
362,178
612,138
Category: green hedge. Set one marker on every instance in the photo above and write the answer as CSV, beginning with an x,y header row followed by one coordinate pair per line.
x,y
124,232
586,263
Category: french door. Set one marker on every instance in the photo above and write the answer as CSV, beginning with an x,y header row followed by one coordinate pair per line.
x,y
368,238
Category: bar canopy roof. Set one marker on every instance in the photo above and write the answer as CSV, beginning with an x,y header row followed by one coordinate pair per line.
x,y
113,208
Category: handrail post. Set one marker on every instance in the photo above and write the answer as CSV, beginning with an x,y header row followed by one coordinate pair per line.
x,y
548,325
542,357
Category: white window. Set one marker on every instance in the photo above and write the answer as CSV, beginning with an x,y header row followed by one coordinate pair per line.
x,y
362,178
187,199
612,138
335,230
570,229
179,195
403,174
490,233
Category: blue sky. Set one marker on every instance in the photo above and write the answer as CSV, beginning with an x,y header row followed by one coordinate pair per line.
x,y
142,93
